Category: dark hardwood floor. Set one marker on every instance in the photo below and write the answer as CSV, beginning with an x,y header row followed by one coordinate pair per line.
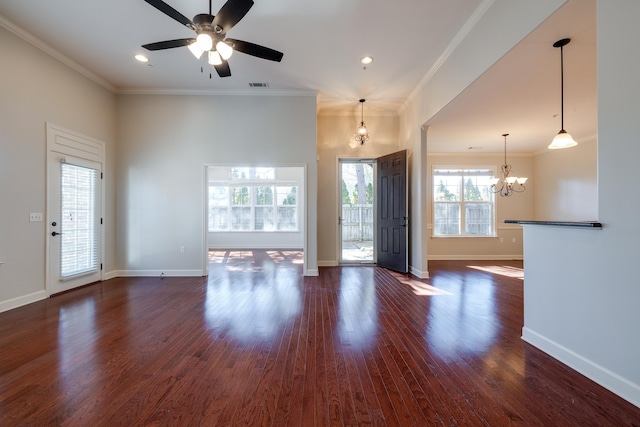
x,y
257,344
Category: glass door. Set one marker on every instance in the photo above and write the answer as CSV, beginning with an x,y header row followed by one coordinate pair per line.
x,y
356,211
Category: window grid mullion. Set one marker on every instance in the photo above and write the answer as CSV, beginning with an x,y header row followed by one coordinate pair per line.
x,y
475,205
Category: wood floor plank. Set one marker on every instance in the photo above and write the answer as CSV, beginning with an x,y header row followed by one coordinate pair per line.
x,y
255,343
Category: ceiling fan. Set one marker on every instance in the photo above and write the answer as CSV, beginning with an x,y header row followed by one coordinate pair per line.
x,y
211,34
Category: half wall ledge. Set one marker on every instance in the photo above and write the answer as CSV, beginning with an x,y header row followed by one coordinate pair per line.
x,y
579,224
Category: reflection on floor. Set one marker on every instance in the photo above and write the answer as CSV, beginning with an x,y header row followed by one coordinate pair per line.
x,y
252,293
255,259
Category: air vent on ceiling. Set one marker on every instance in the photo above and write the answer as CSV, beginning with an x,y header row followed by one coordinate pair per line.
x,y
258,84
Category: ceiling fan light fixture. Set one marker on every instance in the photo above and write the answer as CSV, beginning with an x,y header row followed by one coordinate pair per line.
x,y
214,58
205,41
211,30
224,49
196,50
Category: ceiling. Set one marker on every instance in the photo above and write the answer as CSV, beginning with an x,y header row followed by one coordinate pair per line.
x,y
323,42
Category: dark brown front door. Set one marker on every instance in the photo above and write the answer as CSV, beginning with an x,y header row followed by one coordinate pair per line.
x,y
392,219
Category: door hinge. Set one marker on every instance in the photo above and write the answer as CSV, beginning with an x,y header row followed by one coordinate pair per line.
x,y
100,266
101,175
100,221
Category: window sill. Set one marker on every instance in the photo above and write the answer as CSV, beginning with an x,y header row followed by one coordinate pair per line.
x,y
255,231
465,236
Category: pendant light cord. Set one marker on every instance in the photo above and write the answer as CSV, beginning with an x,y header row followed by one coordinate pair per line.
x,y
561,88
505,149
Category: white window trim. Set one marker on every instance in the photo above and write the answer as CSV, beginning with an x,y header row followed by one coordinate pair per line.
x,y
494,213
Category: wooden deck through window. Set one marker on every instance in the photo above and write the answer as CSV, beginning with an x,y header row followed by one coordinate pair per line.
x,y
255,343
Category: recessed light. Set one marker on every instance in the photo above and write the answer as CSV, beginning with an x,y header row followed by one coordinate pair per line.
x,y
366,60
141,58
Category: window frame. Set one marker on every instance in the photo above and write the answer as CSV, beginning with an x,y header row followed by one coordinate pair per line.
x,y
253,184
491,172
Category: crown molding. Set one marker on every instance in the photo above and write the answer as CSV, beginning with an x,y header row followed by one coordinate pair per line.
x,y
455,42
476,154
196,92
33,40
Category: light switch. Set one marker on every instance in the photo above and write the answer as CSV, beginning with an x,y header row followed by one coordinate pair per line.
x,y
35,217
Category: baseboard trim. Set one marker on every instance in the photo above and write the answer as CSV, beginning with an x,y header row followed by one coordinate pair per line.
x,y
23,300
313,272
156,273
599,374
419,273
253,246
475,257
328,263
110,275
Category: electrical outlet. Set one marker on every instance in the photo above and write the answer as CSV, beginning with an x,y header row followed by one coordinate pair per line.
x,y
35,217
181,249
513,240
502,240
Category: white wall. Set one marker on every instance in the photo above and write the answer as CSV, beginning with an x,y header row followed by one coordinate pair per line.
x,y
517,206
567,183
335,141
581,286
489,37
164,143
266,239
35,88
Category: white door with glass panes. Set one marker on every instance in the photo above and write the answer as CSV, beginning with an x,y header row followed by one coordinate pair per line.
x,y
74,209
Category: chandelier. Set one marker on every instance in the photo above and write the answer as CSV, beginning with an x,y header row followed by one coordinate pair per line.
x,y
362,135
507,185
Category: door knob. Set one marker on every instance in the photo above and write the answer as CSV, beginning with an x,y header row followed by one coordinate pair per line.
x,y
54,234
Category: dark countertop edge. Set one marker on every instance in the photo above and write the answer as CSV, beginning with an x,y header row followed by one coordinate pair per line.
x,y
581,224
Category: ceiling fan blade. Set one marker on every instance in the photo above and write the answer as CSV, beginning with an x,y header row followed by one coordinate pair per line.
x,y
255,50
168,44
223,69
171,12
231,13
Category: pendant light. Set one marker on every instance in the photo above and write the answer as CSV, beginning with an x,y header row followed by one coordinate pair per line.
x,y
507,185
563,139
362,135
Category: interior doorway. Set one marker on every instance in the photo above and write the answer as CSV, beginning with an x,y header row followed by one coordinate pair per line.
x,y
254,208
357,211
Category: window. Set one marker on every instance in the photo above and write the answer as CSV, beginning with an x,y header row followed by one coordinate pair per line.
x,y
78,228
463,204
287,198
251,199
